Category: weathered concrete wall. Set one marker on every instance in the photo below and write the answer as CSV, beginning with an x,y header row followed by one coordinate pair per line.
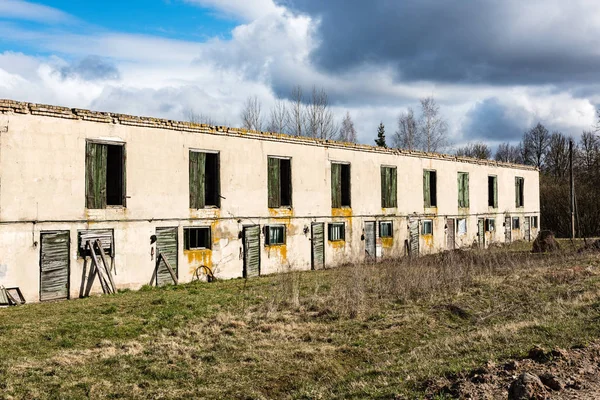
x,y
42,188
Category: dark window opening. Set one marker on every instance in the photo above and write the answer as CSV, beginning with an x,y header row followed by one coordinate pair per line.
x,y
430,188
385,229
516,223
492,191
427,227
389,187
519,191
279,182
196,238
274,234
104,175
336,232
205,190
534,222
114,175
490,225
340,185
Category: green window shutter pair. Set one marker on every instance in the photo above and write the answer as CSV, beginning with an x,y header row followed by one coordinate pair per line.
x,y
274,182
336,185
463,189
197,179
389,187
427,188
95,174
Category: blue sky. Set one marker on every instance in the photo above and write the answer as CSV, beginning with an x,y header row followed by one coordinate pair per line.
x,y
495,68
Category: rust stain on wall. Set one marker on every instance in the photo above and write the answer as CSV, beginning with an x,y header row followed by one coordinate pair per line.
x,y
279,251
387,242
197,258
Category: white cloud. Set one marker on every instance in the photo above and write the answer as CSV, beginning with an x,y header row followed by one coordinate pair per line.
x,y
24,10
247,10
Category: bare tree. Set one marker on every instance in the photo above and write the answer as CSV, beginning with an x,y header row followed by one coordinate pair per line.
x,y
347,133
407,135
475,150
508,153
535,145
199,118
589,151
278,121
319,119
251,114
295,115
433,129
557,156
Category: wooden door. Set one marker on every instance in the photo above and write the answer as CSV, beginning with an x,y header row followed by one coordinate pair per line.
x,y
54,265
527,228
167,245
370,241
450,234
481,232
318,245
413,245
507,229
251,238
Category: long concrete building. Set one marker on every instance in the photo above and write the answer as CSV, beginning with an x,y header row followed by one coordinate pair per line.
x,y
241,203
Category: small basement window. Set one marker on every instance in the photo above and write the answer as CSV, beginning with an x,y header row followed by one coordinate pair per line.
x,y
516,223
340,185
274,234
385,229
534,222
461,227
430,188
204,180
427,227
490,225
104,175
336,231
493,191
279,183
196,238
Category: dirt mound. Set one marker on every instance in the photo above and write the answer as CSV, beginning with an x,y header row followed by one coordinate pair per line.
x,y
545,243
556,374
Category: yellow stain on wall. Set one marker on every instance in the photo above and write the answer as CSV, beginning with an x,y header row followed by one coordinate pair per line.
x,y
197,258
341,212
428,241
338,244
387,242
279,251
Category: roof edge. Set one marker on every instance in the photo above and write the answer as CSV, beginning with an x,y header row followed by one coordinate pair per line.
x,y
18,107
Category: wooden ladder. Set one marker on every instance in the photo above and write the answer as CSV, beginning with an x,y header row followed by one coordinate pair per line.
x,y
100,267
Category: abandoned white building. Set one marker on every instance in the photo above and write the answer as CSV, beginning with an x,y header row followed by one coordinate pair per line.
x,y
242,203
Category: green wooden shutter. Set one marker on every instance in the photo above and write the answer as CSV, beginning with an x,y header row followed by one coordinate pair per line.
x,y
384,188
466,190
393,188
166,244
336,183
426,188
517,192
197,179
54,265
495,192
251,251
274,186
460,190
95,174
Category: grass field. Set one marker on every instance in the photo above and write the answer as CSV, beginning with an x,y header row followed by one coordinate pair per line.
x,y
363,331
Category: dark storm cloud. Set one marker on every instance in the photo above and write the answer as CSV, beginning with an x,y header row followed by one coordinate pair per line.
x,y
489,120
486,41
91,68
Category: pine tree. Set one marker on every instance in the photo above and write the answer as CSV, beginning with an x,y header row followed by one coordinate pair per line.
x,y
380,141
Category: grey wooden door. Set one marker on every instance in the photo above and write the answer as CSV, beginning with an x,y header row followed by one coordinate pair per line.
x,y
413,245
507,229
370,241
251,251
167,245
481,232
54,265
450,234
318,245
527,228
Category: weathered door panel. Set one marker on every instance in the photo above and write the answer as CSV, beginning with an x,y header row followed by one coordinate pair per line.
x,y
54,265
251,251
481,232
167,245
507,229
527,228
450,234
370,241
318,245
413,241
